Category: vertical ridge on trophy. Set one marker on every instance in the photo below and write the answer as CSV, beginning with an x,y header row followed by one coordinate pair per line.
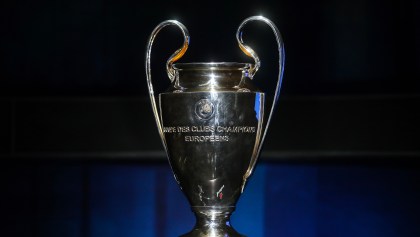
x,y
212,121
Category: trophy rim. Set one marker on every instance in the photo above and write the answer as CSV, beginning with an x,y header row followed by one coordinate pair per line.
x,y
212,66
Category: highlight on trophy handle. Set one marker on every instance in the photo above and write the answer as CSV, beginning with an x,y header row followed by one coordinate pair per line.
x,y
170,70
251,53
248,50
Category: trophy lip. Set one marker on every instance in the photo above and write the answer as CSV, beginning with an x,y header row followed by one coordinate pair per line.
x,y
212,66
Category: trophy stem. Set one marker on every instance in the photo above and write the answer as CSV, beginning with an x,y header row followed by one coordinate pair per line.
x,y
213,222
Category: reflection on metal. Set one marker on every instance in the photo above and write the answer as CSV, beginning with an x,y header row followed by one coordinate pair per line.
x,y
212,124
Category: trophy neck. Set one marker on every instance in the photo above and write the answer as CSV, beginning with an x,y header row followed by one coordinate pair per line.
x,y
213,221
221,76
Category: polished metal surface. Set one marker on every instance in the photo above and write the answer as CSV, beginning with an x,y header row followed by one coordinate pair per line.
x,y
212,124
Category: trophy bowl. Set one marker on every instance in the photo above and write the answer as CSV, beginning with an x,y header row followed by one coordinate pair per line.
x,y
212,124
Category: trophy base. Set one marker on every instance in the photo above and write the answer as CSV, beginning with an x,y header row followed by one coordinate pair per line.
x,y
213,233
213,222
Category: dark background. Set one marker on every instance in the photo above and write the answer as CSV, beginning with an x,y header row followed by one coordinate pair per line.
x,y
80,154
97,47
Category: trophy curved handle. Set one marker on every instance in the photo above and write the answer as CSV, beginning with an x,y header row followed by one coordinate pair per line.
x,y
170,70
251,53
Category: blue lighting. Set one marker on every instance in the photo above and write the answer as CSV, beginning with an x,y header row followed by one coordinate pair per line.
x,y
257,106
131,200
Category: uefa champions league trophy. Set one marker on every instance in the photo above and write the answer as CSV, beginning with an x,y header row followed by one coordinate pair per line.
x,y
212,124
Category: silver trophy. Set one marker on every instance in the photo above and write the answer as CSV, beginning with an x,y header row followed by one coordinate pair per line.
x,y
212,124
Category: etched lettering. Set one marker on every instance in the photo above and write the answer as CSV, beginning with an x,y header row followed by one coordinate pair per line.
x,y
202,128
183,128
206,133
235,129
211,138
169,129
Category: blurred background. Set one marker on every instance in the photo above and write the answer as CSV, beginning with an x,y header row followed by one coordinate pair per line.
x,y
80,153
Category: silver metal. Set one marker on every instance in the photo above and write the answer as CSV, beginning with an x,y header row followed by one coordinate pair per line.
x,y
250,52
170,70
212,124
